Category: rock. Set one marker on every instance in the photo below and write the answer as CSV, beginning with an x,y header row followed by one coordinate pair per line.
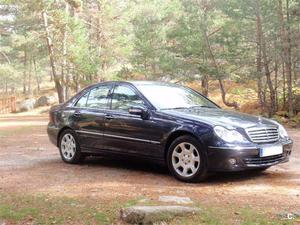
x,y
175,199
297,214
289,215
45,101
42,101
27,105
152,214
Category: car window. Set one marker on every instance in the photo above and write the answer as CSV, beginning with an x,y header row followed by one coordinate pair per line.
x,y
82,101
124,97
98,98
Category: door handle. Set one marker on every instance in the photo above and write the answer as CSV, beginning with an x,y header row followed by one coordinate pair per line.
x,y
109,117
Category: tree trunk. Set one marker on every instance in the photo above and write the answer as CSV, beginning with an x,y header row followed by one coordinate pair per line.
x,y
223,91
290,77
204,85
57,80
99,39
77,82
276,83
266,62
25,71
6,57
38,82
259,64
272,108
51,76
30,77
68,84
260,94
65,76
284,85
6,86
286,49
295,73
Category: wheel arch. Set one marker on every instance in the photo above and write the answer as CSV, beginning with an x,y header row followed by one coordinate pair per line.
x,y
175,135
60,132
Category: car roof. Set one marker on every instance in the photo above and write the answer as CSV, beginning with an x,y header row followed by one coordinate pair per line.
x,y
134,83
156,83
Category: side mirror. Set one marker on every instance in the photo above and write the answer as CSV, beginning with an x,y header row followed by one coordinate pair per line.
x,y
140,111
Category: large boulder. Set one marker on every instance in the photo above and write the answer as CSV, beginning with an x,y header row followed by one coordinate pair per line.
x,y
175,199
42,101
46,101
153,214
27,105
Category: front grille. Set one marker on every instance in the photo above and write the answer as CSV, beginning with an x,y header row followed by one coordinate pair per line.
x,y
263,134
264,160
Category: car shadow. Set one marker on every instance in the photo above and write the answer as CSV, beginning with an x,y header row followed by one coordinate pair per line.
x,y
141,165
225,177
127,163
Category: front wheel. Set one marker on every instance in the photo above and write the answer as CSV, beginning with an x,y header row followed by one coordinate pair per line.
x,y
69,147
187,159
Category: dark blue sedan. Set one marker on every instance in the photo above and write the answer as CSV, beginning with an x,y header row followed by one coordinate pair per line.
x,y
166,123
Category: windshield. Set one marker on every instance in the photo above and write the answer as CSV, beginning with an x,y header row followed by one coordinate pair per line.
x,y
164,96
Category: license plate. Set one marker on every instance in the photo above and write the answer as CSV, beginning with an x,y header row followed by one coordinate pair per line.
x,y
271,150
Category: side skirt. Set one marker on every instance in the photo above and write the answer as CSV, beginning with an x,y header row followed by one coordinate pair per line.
x,y
122,155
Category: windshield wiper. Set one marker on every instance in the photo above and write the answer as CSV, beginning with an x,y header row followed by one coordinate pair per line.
x,y
190,107
200,106
174,108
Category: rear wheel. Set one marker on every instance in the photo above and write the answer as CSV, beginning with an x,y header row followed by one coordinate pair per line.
x,y
187,159
69,147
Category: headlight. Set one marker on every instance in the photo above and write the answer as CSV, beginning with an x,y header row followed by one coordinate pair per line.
x,y
229,135
282,131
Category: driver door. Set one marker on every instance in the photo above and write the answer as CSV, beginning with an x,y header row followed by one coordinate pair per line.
x,y
127,133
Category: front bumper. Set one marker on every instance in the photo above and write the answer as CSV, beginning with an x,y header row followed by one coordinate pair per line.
x,y
238,158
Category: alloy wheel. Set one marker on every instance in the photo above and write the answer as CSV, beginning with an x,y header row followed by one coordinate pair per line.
x,y
68,146
186,159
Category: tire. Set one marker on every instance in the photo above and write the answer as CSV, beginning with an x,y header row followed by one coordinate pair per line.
x,y
69,147
187,159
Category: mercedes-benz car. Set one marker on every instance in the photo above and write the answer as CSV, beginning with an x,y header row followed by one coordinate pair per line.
x,y
166,123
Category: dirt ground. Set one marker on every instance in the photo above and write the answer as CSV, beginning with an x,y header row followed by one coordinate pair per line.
x,y
29,163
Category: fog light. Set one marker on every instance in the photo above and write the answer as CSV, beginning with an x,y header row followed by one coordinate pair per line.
x,y
232,161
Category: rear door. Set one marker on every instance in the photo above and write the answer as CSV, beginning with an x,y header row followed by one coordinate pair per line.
x,y
90,117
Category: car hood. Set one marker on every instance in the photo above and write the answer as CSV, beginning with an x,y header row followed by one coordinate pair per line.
x,y
216,116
